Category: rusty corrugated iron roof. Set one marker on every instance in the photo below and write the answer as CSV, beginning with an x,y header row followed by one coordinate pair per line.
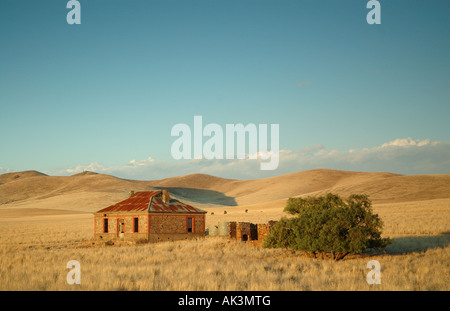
x,y
174,206
150,201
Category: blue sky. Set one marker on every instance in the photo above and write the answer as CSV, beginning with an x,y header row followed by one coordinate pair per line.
x,y
104,95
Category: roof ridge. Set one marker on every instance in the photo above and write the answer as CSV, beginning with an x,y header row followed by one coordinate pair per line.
x,y
150,202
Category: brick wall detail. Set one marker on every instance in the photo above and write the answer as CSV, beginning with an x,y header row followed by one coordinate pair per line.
x,y
249,232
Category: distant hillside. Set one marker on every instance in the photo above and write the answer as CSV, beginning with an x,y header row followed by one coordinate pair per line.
x,y
380,186
4,178
40,186
89,191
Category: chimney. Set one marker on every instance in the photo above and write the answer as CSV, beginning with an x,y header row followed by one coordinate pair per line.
x,y
131,193
165,196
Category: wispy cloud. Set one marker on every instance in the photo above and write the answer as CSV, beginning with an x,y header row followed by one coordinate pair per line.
x,y
404,156
303,83
404,142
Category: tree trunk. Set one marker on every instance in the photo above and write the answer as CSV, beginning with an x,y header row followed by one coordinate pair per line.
x,y
341,255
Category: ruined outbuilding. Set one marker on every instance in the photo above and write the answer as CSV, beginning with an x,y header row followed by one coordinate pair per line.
x,y
149,216
249,232
243,231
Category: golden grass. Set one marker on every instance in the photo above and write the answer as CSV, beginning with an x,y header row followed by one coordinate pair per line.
x,y
34,251
415,217
214,264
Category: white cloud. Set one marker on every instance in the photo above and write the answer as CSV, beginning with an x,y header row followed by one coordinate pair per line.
x,y
135,163
4,170
93,167
404,142
404,156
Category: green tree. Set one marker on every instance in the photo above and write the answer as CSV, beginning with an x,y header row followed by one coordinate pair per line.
x,y
328,224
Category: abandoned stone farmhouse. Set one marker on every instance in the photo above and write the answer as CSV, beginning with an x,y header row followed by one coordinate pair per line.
x,y
151,216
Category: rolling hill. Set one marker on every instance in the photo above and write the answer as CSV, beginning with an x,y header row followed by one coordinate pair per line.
x,y
90,191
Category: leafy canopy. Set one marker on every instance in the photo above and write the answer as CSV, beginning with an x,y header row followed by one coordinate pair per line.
x,y
328,224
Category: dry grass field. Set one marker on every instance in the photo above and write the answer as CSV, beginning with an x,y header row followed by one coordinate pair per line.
x,y
46,221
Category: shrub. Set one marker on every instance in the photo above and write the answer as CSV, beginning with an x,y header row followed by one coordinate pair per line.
x,y
328,224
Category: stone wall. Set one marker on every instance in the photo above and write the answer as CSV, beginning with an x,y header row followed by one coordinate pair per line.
x,y
151,227
249,232
168,227
114,224
264,229
176,224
